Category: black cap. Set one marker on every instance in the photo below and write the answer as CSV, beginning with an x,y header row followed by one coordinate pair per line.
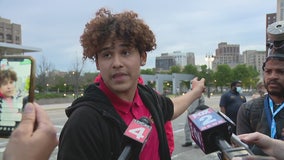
x,y
235,83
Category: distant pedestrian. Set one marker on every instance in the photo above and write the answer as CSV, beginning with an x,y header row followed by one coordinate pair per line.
x,y
231,101
260,90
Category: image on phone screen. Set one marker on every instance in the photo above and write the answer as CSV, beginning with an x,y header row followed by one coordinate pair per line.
x,y
16,77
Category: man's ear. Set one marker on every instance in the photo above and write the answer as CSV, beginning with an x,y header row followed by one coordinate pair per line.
x,y
143,58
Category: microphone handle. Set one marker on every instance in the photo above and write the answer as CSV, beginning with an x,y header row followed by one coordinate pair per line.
x,y
125,155
228,152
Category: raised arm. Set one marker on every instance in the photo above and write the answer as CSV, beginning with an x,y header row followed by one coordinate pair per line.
x,y
181,103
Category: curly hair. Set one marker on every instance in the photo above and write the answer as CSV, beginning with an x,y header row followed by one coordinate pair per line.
x,y
124,26
7,74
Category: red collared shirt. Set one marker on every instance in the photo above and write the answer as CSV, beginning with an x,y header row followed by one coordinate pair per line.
x,y
135,109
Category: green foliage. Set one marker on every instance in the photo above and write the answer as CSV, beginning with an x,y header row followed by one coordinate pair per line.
x,y
203,72
70,82
148,71
223,75
190,69
175,69
247,74
48,95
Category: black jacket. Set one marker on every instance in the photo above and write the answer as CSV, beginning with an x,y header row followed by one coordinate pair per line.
x,y
94,130
252,118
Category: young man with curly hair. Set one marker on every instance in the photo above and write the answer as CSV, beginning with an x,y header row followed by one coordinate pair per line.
x,y
96,122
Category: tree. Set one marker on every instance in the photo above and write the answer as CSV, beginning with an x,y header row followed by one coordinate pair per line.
x,y
247,74
88,78
76,72
223,75
42,74
190,69
147,71
254,76
175,69
203,72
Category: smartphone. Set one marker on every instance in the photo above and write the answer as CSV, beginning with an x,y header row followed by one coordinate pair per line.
x,y
17,76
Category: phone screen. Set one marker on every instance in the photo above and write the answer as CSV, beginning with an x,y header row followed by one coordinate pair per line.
x,y
16,89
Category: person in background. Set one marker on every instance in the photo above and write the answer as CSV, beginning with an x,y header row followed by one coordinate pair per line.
x,y
266,114
190,110
96,121
231,101
260,90
34,138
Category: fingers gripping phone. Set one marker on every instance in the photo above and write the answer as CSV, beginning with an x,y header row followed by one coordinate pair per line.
x,y
17,74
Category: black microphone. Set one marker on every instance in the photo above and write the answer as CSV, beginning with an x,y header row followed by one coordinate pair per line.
x,y
136,135
213,131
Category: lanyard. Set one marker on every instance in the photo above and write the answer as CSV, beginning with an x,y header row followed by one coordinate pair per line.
x,y
271,117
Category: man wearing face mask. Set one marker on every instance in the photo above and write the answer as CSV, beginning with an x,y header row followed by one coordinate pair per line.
x,y
231,101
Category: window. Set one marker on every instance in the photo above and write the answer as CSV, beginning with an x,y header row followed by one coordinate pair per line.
x,y
9,37
1,37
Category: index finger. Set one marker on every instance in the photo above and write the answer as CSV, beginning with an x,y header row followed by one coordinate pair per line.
x,y
41,115
27,123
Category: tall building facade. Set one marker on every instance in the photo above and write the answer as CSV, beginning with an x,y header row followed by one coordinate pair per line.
x,y
180,58
255,58
11,39
10,32
167,60
280,10
190,58
227,54
164,62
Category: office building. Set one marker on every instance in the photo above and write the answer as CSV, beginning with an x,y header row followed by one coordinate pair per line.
x,y
227,54
164,62
280,10
176,58
255,59
11,39
10,32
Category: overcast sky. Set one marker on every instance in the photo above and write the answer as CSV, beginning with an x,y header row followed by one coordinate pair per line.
x,y
183,25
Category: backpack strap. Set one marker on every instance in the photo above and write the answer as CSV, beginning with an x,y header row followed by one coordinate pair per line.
x,y
267,110
152,102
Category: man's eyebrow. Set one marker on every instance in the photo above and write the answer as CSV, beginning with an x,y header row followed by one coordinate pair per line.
x,y
125,45
112,47
105,48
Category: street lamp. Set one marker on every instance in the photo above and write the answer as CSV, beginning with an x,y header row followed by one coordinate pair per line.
x,y
47,87
65,89
75,83
209,59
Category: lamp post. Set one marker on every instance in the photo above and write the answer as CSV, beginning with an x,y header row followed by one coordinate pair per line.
x,y
65,89
75,84
47,87
209,59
